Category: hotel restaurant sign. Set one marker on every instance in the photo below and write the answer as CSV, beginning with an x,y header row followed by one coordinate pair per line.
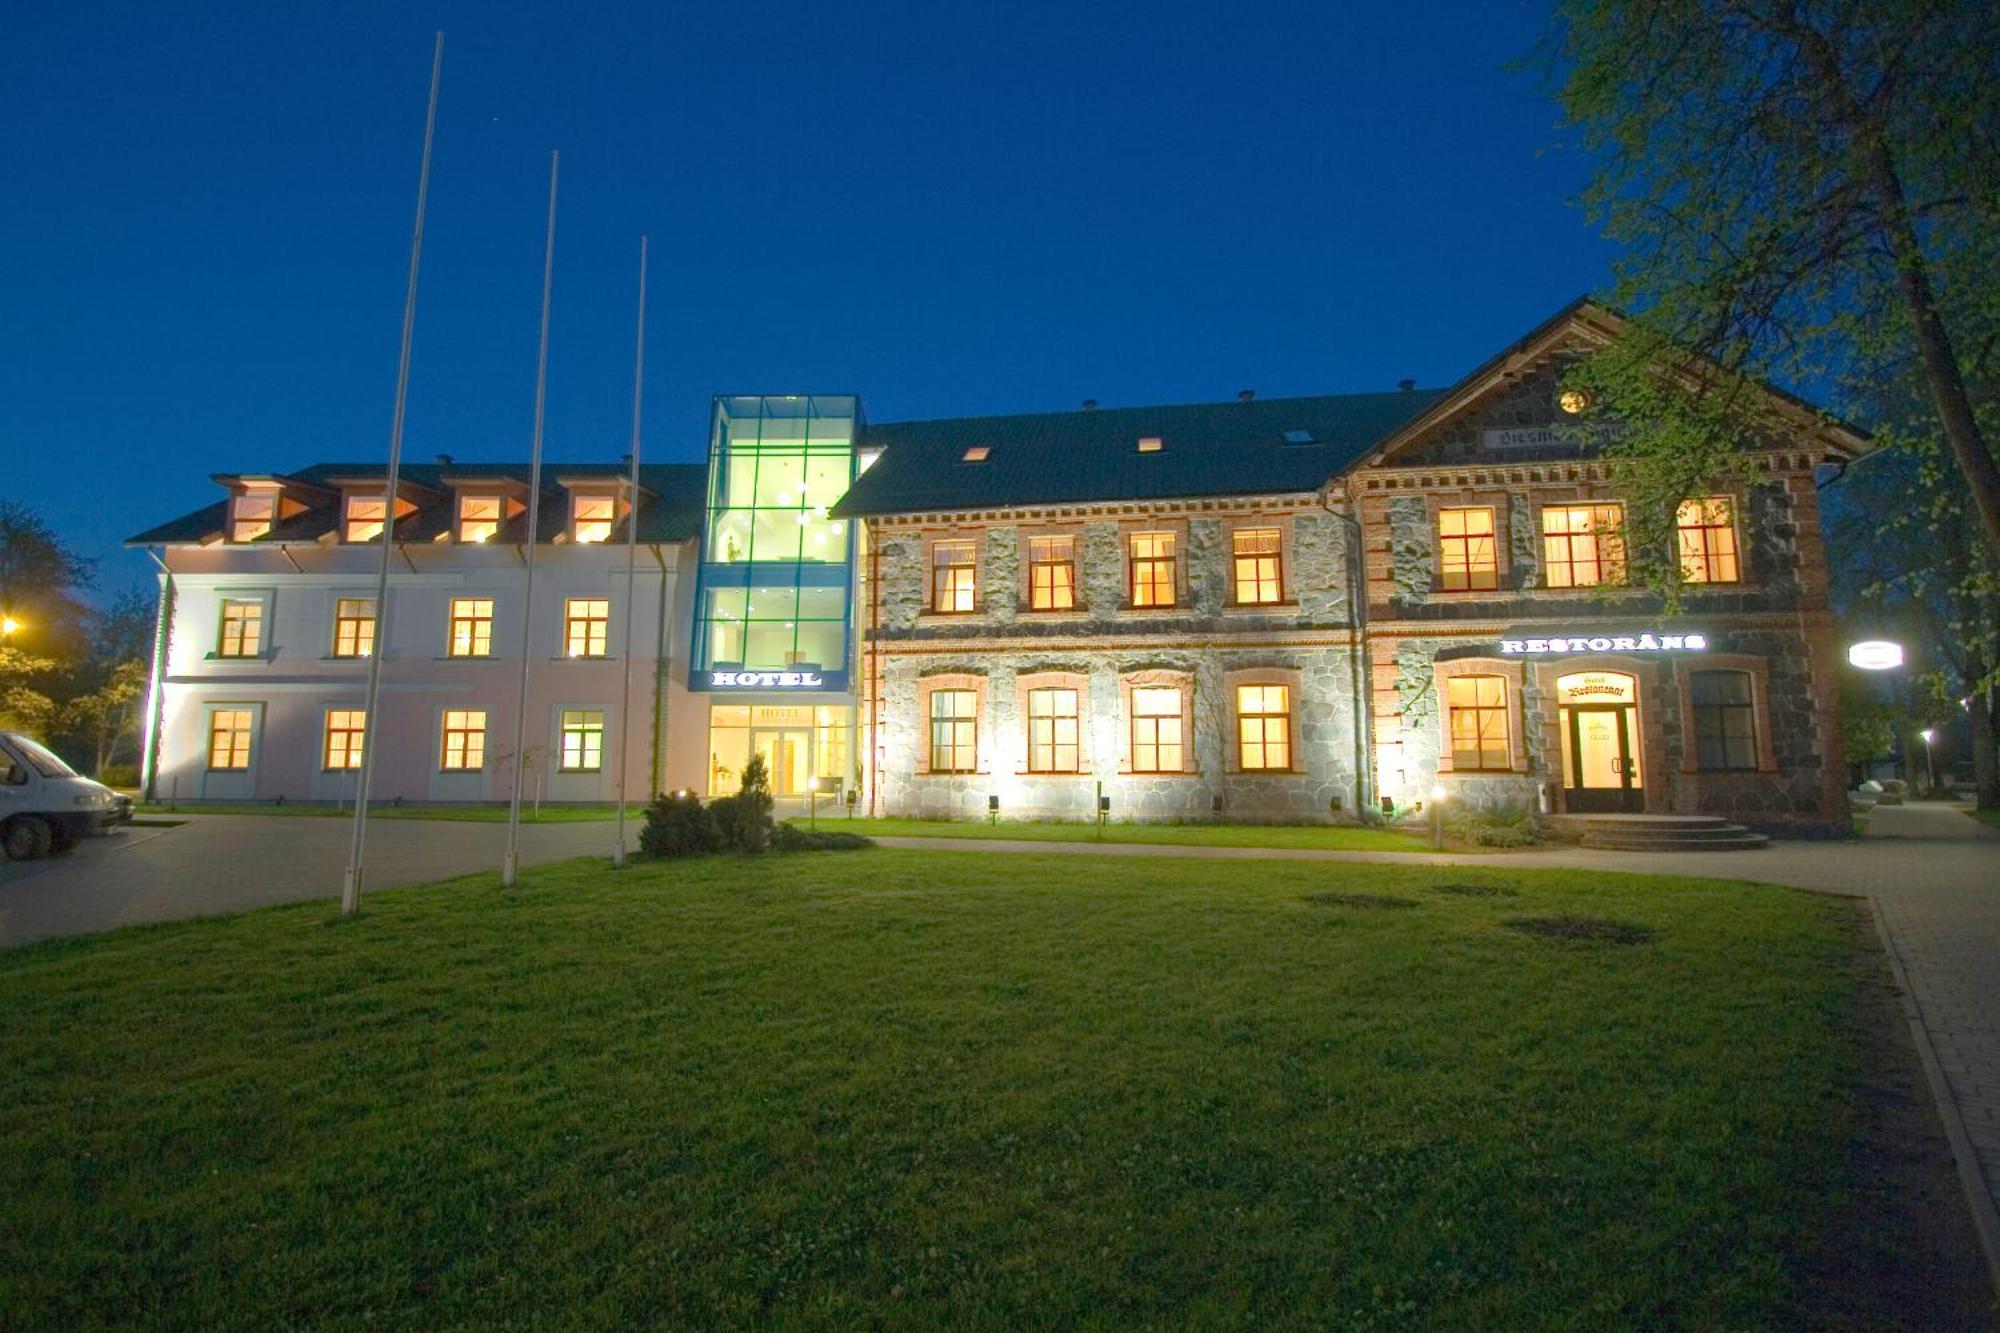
x,y
1612,643
1567,435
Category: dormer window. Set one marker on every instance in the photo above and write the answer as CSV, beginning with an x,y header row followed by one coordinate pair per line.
x,y
479,517
1150,444
364,519
591,517
976,454
252,514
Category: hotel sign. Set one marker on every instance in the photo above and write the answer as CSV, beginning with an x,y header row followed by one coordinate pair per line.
x,y
1614,643
1564,436
766,680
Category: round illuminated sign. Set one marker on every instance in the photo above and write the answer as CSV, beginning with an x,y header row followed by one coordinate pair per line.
x,y
1876,655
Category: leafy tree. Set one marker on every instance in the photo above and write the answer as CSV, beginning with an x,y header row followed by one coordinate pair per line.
x,y
1804,191
1910,560
41,591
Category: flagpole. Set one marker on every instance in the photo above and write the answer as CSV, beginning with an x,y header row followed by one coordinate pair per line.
x,y
511,859
350,886
631,568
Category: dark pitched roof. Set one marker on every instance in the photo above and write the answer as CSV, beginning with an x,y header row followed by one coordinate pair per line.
x,y
671,513
1234,448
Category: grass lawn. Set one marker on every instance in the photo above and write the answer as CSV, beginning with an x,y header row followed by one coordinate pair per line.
x,y
480,814
1990,818
1325,837
893,1089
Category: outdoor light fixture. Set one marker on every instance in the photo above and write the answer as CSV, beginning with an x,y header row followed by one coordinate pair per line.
x,y
8,625
1930,758
1875,655
993,809
1438,794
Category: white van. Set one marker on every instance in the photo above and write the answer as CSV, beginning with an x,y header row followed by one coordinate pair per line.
x,y
44,806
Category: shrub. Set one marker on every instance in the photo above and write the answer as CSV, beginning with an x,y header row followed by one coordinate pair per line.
x,y
1498,824
743,821
792,838
119,775
678,825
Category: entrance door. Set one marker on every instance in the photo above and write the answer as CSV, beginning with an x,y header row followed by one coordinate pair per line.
x,y
787,755
1600,743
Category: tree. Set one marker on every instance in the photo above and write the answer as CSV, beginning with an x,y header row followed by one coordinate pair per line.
x,y
1803,189
41,597
1910,561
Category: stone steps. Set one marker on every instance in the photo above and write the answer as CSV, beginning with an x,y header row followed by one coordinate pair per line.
x,y
1660,833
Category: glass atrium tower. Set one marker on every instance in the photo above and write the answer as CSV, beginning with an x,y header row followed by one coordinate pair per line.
x,y
774,597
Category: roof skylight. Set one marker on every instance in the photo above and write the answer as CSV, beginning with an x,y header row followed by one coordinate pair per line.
x,y
976,454
1150,444
1298,437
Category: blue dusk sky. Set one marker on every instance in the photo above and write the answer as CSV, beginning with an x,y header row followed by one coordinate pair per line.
x,y
951,210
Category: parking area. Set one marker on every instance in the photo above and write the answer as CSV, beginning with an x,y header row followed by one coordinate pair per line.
x,y
225,863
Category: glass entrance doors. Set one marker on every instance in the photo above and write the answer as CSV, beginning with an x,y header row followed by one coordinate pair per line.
x,y
1600,742
785,754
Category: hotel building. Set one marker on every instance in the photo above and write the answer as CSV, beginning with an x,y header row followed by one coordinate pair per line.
x,y
1262,609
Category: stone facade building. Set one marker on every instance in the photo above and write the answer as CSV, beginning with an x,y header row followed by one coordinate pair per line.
x,y
1346,601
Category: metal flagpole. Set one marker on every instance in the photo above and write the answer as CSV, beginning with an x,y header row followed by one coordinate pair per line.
x,y
631,567
512,857
350,886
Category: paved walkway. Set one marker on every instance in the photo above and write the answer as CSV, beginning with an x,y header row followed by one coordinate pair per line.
x,y
227,863
1933,877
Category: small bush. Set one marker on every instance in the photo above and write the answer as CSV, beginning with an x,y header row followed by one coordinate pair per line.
x,y
119,775
1498,824
743,821
792,838
678,825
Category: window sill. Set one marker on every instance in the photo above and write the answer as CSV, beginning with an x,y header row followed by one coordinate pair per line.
x,y
1161,773
1054,614
466,657
1146,612
1259,608
584,657
1268,773
238,657
1064,773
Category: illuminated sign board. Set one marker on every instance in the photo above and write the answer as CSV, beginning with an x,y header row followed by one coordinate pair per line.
x,y
1616,643
772,680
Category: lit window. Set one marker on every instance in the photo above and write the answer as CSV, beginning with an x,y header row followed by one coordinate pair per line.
x,y
1467,559
1052,732
582,740
479,517
365,516
1264,727
1725,723
1153,581
976,454
954,730
242,628
1051,573
353,626
1151,444
1707,533
1156,730
345,728
953,578
586,626
471,627
464,739
229,738
1583,545
1259,579
1478,721
251,515
591,517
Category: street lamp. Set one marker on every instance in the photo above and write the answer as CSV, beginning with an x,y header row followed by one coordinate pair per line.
x,y
1875,655
7,626
1930,759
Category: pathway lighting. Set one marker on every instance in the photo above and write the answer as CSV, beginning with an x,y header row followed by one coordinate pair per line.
x,y
1438,794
